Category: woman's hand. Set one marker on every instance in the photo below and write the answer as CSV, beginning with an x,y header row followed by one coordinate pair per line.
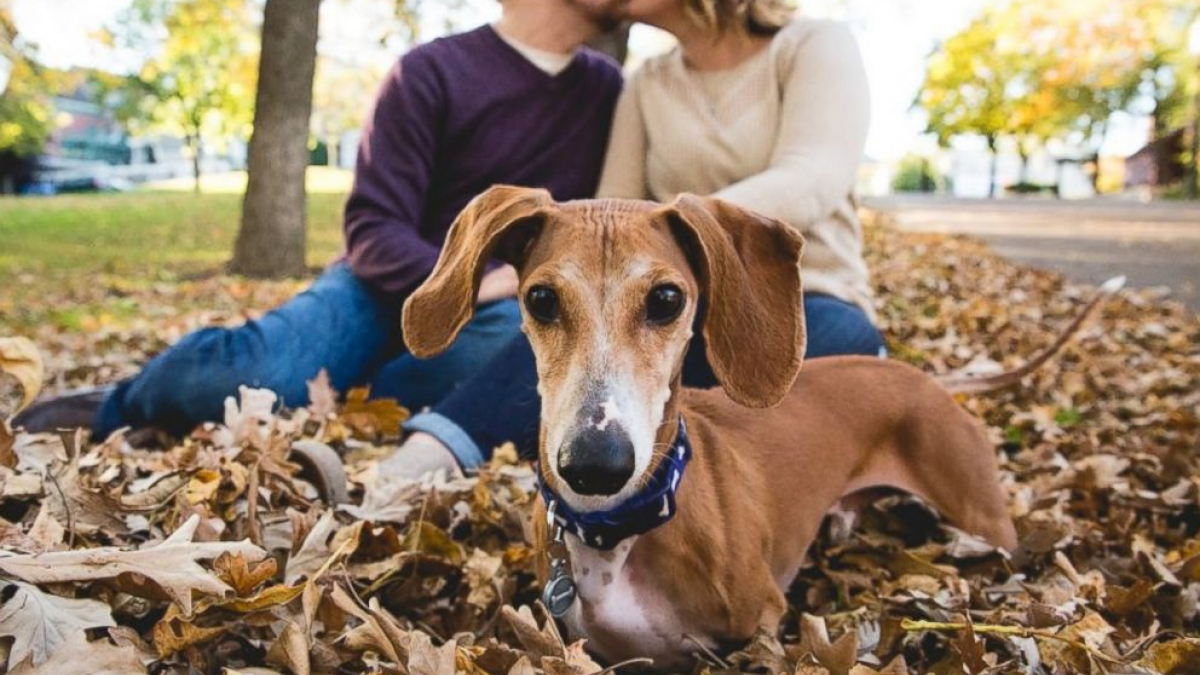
x,y
498,284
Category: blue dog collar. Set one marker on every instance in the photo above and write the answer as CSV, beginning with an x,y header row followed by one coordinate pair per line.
x,y
644,511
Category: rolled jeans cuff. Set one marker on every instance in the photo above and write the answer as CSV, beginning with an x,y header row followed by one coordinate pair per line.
x,y
468,454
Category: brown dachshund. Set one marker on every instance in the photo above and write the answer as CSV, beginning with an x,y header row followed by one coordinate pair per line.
x,y
688,512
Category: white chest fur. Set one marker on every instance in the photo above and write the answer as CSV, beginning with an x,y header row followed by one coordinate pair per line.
x,y
619,614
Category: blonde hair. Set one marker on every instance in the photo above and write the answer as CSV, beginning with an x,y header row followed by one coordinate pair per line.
x,y
756,17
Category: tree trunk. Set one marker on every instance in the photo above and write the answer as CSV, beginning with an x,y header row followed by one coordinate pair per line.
x,y
991,142
1191,174
1096,158
194,141
271,241
615,43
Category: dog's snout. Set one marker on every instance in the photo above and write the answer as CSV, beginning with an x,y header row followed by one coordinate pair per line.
x,y
597,461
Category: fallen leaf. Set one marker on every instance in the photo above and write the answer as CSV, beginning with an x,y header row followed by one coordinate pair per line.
x,y
322,399
291,649
203,486
242,575
368,417
313,552
175,632
537,641
21,361
379,629
171,564
42,624
1174,657
425,659
46,531
79,507
8,458
80,657
839,657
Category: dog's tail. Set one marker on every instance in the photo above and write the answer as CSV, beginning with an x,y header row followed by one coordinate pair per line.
x,y
964,383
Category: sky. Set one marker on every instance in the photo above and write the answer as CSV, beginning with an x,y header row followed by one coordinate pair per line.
x,y
894,36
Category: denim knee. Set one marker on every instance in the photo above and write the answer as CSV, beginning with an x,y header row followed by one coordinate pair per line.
x,y
420,383
338,324
839,328
187,383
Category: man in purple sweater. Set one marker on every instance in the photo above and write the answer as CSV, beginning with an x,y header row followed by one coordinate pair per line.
x,y
519,102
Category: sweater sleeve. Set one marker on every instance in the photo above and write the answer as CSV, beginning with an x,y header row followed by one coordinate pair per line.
x,y
395,161
822,132
624,174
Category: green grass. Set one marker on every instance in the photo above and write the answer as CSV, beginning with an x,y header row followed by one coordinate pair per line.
x,y
320,179
75,262
155,234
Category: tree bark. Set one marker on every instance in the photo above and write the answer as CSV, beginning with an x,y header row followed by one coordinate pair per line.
x,y
271,240
194,142
1191,173
991,142
1096,158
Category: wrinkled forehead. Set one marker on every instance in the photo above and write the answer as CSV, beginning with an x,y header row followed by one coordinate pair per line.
x,y
609,238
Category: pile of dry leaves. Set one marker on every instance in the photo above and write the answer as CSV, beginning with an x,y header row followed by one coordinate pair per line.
x,y
216,553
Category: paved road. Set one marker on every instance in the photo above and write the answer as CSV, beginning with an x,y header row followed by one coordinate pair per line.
x,y
1088,240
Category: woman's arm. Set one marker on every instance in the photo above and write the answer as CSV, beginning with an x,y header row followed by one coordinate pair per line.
x,y
624,173
822,132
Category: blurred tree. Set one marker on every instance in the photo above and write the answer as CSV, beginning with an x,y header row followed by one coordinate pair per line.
x,y
271,239
342,96
973,85
917,174
26,113
1035,70
1096,54
199,71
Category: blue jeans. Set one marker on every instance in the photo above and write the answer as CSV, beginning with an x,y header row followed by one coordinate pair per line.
x,y
501,403
338,324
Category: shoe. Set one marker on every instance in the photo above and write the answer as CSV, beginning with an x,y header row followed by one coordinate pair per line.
x,y
70,410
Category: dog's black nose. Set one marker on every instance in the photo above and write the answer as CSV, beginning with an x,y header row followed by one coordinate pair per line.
x,y
597,462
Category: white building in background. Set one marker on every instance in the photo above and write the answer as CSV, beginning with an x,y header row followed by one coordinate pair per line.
x,y
348,149
968,168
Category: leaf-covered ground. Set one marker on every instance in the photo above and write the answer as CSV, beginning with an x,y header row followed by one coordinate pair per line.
x,y
215,554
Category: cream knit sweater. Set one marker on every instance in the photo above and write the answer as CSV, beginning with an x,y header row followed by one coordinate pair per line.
x,y
781,134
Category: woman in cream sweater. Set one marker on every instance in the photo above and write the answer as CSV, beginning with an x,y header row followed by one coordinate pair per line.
x,y
756,107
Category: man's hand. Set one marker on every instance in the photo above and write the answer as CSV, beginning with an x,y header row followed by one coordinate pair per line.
x,y
498,284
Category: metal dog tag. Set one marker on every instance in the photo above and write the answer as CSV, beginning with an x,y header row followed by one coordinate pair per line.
x,y
560,591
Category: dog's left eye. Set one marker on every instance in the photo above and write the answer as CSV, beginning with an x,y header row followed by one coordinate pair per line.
x,y
542,303
664,303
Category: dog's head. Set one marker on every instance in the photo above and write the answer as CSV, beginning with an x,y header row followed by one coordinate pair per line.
x,y
609,291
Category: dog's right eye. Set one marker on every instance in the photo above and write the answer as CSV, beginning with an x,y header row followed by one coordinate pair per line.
x,y
542,303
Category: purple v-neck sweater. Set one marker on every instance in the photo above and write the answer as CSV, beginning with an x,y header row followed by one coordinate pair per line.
x,y
454,117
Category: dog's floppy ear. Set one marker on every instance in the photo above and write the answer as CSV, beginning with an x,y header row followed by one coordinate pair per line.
x,y
749,268
499,223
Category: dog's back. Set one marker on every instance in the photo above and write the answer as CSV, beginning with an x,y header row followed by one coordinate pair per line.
x,y
901,428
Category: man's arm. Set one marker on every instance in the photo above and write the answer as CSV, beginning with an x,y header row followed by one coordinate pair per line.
x,y
822,132
395,163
